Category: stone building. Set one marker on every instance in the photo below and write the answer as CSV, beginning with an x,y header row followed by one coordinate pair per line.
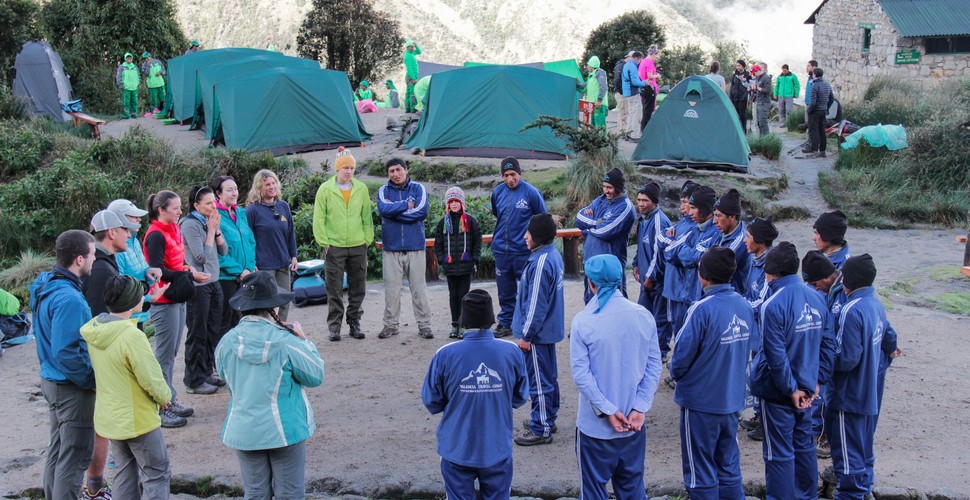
x,y
923,42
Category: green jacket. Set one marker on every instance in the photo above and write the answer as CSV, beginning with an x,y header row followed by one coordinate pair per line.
x,y
363,94
154,73
339,224
411,63
131,386
786,86
127,76
421,90
9,304
241,242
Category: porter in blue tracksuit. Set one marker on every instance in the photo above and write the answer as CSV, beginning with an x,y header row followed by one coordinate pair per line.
x,y
615,363
677,279
514,202
709,365
607,222
760,235
727,218
476,383
648,262
701,237
785,375
539,323
829,237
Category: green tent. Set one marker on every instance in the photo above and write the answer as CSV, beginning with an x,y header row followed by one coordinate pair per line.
x,y
696,127
288,110
566,67
480,111
210,75
183,82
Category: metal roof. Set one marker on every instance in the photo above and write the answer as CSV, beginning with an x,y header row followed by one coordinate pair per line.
x,y
922,18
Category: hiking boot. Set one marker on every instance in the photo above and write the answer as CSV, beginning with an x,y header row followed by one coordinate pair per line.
x,y
527,425
387,332
355,329
215,380
807,150
821,154
750,424
455,332
828,475
170,420
334,335
502,331
670,382
183,411
757,434
822,447
425,333
102,494
530,439
664,358
203,388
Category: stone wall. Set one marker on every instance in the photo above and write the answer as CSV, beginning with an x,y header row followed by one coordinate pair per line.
x,y
837,46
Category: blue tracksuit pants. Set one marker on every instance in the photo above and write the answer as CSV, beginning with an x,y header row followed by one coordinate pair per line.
x,y
655,302
508,272
495,482
870,452
619,460
710,455
850,435
676,315
543,387
818,413
791,467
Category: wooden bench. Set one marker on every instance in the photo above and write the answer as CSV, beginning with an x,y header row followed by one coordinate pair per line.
x,y
95,123
570,246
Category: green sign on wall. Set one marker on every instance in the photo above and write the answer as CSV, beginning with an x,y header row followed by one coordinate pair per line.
x,y
868,26
907,56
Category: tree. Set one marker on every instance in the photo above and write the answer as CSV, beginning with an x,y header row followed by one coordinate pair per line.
x,y
351,36
92,38
678,63
612,40
17,26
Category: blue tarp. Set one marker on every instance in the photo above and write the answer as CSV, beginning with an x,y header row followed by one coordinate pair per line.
x,y
892,137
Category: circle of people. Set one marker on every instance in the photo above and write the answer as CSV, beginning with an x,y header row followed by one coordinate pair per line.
x,y
812,349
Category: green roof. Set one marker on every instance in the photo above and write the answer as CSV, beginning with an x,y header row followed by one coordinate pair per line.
x,y
923,18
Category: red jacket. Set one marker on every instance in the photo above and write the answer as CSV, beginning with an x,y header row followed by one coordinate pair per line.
x,y
174,252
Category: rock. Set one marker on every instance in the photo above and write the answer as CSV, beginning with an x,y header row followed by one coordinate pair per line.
x,y
390,490
891,493
553,490
21,462
943,494
426,490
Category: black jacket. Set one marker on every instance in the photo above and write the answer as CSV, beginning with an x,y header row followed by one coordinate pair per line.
x,y
738,91
471,240
618,76
105,266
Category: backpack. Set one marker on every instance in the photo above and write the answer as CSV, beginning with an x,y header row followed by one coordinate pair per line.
x,y
15,330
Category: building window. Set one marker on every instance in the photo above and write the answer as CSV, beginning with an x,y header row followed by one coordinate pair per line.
x,y
947,45
866,39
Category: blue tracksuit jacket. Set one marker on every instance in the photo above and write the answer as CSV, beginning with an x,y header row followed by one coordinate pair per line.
x,y
539,307
793,321
839,257
476,382
403,227
607,231
688,254
735,241
756,293
859,335
711,351
676,278
652,239
513,209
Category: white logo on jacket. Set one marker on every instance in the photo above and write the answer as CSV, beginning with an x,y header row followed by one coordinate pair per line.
x,y
737,331
810,319
522,205
482,379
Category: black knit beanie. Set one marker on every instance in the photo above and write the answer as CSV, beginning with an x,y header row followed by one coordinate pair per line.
x,y
782,259
703,199
542,227
831,226
763,230
858,272
816,266
615,178
652,191
729,203
510,163
717,265
688,189
476,310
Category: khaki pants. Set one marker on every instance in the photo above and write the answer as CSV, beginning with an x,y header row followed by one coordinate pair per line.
x,y
621,109
396,266
634,110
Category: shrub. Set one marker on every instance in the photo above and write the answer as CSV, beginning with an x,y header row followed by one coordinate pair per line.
x,y
795,118
11,107
768,146
21,149
17,278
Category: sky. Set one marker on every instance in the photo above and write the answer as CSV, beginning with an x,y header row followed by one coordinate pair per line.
x,y
775,32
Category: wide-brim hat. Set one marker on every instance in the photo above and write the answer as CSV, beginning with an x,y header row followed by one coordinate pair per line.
x,y
259,290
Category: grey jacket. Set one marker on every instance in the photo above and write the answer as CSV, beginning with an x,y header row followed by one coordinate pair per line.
x,y
201,257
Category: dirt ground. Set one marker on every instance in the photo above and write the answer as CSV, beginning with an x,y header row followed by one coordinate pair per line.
x,y
375,438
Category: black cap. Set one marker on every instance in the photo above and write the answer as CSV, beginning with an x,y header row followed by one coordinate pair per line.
x,y
858,272
542,228
763,230
510,163
717,265
816,266
782,260
688,189
703,199
831,226
615,178
729,203
476,310
652,191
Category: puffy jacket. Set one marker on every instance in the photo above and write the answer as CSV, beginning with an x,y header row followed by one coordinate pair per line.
x,y
711,352
820,97
154,73
686,254
266,369
859,338
127,77
132,261
631,79
539,307
131,386
793,322
607,231
403,227
173,259
339,224
677,280
513,209
241,254
735,241
105,266
59,312
463,248
786,86
652,239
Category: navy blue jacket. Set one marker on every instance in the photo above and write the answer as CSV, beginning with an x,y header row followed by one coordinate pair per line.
x,y
403,227
539,306
274,233
59,312
859,335
677,279
607,231
652,239
711,352
476,382
513,209
793,322
735,241
688,254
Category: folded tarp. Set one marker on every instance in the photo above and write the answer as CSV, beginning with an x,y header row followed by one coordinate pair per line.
x,y
893,137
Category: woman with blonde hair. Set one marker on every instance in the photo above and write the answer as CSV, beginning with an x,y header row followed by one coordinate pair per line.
x,y
271,221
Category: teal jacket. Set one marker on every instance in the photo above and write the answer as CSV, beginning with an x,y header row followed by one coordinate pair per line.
x,y
242,244
266,369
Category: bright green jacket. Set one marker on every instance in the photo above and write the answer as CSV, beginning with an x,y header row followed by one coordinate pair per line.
x,y
786,86
9,305
364,94
421,90
131,386
339,224
154,73
411,63
127,76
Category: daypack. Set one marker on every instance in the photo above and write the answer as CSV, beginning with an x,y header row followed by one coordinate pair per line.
x,y
15,330
310,295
